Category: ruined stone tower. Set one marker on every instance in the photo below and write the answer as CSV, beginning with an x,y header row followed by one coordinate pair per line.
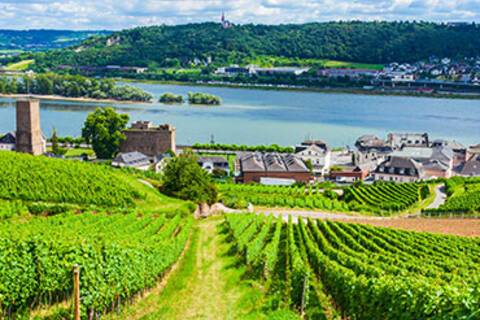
x,y
148,139
29,134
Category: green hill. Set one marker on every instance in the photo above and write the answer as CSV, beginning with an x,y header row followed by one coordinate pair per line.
x,y
40,179
41,40
368,42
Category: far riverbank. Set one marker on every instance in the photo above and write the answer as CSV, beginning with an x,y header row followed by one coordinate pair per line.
x,y
333,90
69,99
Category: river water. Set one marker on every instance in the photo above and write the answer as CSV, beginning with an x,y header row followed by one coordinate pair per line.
x,y
249,116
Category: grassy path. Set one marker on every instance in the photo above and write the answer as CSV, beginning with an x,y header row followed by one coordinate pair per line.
x,y
206,285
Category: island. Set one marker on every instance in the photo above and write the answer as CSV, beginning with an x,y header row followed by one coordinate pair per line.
x,y
203,98
170,98
58,86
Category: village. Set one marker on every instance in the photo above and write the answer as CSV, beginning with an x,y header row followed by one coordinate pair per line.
x,y
400,157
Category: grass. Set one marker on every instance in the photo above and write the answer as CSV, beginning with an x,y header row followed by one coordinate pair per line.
x,y
76,152
19,66
272,61
209,283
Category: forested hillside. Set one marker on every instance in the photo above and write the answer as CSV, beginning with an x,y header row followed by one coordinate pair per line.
x,y
372,42
33,40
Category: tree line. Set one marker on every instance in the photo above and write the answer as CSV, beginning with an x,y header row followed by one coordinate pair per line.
x,y
74,86
175,46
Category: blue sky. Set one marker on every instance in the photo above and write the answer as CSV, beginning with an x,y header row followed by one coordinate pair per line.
x,y
120,14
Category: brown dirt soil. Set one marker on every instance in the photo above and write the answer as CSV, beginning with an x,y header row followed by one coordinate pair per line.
x,y
459,227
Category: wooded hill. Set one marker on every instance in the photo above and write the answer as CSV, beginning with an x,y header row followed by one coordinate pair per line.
x,y
37,40
370,42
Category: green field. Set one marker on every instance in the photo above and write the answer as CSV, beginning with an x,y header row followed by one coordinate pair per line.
x,y
19,66
272,61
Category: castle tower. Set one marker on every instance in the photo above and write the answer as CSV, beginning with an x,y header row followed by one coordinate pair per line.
x,y
29,134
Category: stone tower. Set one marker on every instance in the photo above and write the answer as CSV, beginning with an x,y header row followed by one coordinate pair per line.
x,y
29,134
148,139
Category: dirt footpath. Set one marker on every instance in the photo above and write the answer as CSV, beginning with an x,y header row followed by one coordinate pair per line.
x,y
459,227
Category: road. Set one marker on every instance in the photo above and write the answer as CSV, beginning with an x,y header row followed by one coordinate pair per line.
x,y
440,197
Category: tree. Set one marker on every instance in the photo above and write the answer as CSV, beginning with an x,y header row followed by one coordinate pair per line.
x,y
103,129
56,150
183,178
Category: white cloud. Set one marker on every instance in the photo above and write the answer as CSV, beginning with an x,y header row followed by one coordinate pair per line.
x,y
119,14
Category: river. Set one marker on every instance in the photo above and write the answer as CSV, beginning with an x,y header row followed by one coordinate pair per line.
x,y
250,116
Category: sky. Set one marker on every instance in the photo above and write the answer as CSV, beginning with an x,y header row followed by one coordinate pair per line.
x,y
121,14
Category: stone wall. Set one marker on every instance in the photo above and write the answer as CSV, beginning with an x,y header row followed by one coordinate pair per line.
x,y
148,139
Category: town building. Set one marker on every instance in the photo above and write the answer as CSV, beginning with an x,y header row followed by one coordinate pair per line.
x,y
437,162
133,159
257,166
295,71
160,161
459,150
472,167
8,142
472,151
317,153
349,174
29,137
148,139
400,140
211,164
347,73
372,144
399,169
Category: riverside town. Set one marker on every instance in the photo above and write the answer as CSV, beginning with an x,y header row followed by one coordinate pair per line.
x,y
271,160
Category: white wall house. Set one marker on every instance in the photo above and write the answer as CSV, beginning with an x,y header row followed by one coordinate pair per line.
x,y
8,141
320,158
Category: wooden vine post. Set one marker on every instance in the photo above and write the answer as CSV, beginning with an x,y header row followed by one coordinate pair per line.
x,y
76,292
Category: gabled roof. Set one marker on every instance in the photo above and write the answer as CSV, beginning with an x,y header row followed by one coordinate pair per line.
x,y
8,138
471,167
134,158
312,147
272,162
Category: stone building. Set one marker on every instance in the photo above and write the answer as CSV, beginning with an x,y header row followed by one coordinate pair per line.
x,y
29,138
148,139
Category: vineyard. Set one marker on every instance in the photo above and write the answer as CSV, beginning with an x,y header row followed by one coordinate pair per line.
x,y
381,198
323,270
28,178
120,256
463,198
385,196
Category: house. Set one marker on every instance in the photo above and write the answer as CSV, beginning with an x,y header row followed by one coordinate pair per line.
x,y
8,141
400,140
459,150
133,159
349,174
372,144
317,153
471,167
255,166
160,162
399,169
437,162
210,164
472,151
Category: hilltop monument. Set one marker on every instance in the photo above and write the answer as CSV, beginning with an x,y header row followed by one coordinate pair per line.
x,y
29,138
